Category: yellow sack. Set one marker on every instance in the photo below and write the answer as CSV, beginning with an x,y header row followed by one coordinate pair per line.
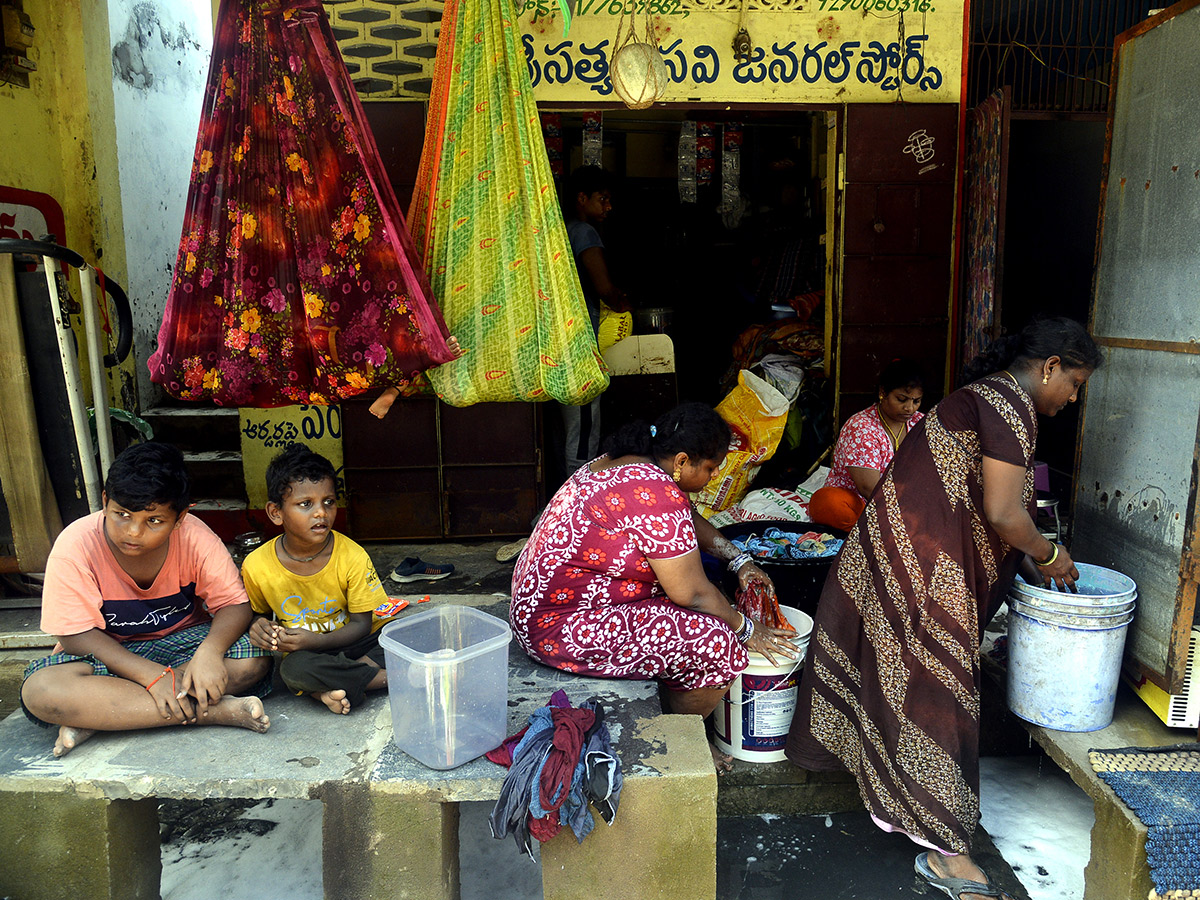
x,y
614,326
756,413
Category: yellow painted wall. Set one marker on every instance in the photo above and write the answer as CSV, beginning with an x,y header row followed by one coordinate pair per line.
x,y
59,137
48,129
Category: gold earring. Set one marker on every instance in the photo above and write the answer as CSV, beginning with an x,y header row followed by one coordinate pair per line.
x,y
1045,379
675,475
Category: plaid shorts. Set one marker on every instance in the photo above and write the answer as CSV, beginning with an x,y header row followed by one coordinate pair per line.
x,y
172,650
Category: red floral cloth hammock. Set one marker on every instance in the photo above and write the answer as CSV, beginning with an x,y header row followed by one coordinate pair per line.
x,y
295,280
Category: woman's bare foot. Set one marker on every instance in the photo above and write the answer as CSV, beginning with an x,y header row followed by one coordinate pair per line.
x,y
384,402
723,761
452,343
960,866
239,712
69,738
335,700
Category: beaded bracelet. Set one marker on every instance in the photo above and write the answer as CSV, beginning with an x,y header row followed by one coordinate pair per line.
x,y
1050,560
738,561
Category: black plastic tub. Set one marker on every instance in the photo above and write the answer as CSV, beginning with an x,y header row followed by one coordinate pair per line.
x,y
798,582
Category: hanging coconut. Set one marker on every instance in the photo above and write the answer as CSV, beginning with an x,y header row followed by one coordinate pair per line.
x,y
636,68
639,75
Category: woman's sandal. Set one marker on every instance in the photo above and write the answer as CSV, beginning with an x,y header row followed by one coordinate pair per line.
x,y
954,888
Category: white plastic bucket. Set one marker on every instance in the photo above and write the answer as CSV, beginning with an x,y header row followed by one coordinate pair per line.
x,y
752,720
1064,676
1097,586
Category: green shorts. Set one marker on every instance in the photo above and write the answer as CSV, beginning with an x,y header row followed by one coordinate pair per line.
x,y
172,650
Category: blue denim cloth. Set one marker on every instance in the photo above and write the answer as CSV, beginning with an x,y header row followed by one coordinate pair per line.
x,y
597,778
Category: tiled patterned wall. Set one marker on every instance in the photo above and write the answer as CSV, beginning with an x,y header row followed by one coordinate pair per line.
x,y
388,45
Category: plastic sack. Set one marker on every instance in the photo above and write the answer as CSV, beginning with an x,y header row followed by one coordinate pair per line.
x,y
765,505
785,373
614,326
756,413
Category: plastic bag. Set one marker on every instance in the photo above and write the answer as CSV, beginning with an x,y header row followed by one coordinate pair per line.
x,y
756,413
614,326
785,373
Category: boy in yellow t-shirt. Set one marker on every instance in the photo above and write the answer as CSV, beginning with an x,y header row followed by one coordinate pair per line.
x,y
315,589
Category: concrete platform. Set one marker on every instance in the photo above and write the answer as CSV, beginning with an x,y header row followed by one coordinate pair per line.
x,y
87,825
1118,868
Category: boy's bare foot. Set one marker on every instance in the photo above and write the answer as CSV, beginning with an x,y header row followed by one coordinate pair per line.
x,y
69,738
384,402
239,712
723,761
335,700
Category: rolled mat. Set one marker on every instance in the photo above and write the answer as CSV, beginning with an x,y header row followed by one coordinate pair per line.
x,y
1162,786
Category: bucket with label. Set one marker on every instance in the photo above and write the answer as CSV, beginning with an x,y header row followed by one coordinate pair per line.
x,y
752,720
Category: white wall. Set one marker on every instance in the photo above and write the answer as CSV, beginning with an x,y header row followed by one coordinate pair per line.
x,y
160,55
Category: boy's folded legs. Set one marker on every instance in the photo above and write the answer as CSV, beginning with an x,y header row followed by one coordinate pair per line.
x,y
310,672
320,674
62,688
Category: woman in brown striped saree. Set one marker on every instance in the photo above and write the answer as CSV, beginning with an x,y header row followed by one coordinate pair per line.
x,y
891,686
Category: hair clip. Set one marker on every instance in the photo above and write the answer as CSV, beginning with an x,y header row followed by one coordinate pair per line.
x,y
653,431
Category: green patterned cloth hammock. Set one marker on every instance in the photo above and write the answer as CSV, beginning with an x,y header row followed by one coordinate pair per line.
x,y
487,224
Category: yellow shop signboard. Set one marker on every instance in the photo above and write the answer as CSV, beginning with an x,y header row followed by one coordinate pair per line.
x,y
824,51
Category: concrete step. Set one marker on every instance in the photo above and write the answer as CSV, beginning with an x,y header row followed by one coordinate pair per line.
x,y
196,427
20,629
21,642
754,788
216,473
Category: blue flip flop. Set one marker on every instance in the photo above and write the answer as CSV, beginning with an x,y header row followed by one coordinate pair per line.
x,y
954,888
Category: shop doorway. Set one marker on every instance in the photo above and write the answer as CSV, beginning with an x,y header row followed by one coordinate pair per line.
x,y
706,258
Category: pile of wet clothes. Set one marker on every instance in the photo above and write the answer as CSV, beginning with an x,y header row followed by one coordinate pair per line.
x,y
558,764
776,544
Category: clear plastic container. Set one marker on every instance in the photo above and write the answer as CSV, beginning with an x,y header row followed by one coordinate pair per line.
x,y
447,671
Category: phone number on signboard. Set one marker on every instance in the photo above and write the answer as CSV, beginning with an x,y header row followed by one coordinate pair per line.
x,y
544,9
921,6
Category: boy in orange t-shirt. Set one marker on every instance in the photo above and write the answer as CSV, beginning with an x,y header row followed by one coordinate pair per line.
x,y
149,613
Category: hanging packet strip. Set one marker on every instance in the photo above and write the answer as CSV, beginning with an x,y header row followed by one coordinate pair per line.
x,y
296,281
488,226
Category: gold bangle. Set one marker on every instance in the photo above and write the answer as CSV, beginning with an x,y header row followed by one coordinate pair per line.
x,y
1050,560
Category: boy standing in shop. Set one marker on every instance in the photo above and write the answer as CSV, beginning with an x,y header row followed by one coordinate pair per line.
x,y
588,201
315,590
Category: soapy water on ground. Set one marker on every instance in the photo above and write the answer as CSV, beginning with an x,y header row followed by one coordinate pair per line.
x,y
271,850
1041,823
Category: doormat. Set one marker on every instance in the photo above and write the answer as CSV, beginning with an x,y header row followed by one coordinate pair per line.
x,y
1161,785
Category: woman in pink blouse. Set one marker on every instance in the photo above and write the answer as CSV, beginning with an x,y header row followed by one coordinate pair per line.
x,y
866,445
611,583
